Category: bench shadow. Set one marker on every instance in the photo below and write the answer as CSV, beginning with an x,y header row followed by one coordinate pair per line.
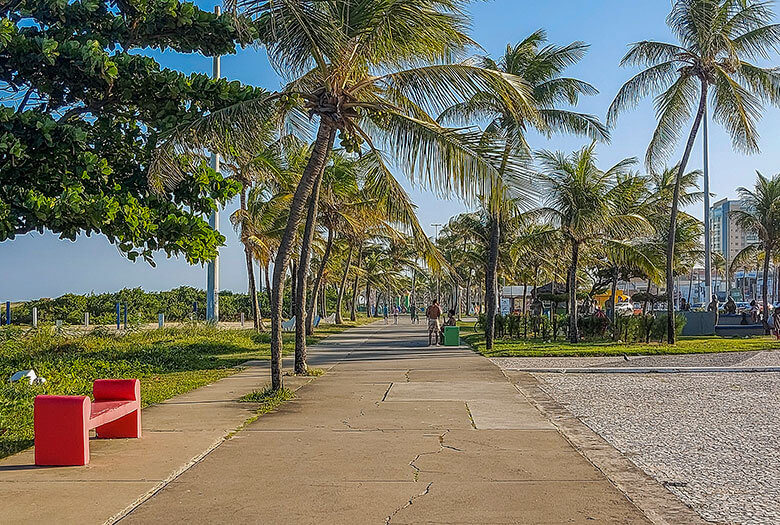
x,y
11,468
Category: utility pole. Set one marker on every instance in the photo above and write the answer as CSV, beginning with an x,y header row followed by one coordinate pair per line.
x,y
707,239
438,278
212,268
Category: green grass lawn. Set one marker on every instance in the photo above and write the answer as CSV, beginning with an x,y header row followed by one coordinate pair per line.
x,y
169,362
561,348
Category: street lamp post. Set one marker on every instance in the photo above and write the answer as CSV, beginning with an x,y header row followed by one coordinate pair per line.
x,y
212,267
438,278
707,238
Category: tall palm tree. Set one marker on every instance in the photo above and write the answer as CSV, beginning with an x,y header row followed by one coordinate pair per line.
x,y
268,169
542,67
260,226
373,72
760,214
579,202
717,41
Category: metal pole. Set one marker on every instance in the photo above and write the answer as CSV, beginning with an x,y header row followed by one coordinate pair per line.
x,y
35,317
125,316
707,234
8,312
118,326
438,279
212,268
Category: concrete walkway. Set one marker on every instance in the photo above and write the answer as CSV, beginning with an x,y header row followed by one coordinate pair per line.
x,y
395,432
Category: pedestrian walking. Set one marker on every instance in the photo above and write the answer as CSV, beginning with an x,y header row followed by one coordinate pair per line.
x,y
395,314
384,310
433,314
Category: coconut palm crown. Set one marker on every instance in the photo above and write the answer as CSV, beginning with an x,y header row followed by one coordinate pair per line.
x,y
761,215
541,66
373,72
717,42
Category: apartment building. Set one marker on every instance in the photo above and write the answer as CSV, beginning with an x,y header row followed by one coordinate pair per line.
x,y
727,237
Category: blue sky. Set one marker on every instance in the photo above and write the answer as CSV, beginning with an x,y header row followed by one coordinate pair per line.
x,y
36,265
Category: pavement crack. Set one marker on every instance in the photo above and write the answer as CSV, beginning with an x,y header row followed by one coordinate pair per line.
x,y
406,375
471,418
442,446
408,503
384,397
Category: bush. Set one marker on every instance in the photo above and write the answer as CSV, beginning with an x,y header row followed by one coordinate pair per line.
x,y
658,331
593,326
142,307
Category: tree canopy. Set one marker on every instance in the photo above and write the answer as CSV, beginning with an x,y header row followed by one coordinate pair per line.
x,y
81,115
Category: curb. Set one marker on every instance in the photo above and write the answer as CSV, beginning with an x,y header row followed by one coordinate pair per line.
x,y
651,370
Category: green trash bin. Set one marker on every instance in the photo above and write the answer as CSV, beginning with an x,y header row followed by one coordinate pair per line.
x,y
451,336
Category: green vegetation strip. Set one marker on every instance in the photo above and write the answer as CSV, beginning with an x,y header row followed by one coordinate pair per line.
x,y
169,362
562,348
268,398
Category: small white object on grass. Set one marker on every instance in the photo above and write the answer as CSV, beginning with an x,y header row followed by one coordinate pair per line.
x,y
27,374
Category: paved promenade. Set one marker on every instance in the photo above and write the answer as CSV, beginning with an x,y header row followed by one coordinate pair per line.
x,y
395,432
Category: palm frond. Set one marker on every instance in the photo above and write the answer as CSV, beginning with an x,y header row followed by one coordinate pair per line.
x,y
652,80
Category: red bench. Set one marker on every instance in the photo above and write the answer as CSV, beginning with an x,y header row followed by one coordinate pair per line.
x,y
62,423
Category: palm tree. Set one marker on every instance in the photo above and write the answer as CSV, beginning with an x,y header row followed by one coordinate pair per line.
x,y
717,39
579,202
269,170
372,72
760,214
541,66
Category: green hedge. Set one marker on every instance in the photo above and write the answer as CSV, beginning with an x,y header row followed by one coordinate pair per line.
x,y
142,307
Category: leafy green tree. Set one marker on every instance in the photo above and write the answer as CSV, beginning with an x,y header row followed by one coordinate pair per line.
x,y
711,64
83,114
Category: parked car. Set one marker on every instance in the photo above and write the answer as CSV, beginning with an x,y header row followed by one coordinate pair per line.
x,y
624,309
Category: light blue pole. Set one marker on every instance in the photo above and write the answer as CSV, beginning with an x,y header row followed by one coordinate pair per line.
x,y
117,317
8,312
212,267
125,316
707,235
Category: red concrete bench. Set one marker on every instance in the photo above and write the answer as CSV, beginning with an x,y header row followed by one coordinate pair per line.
x,y
62,423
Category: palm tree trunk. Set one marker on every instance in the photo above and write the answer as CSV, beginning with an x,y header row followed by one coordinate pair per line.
x,y
353,307
764,294
304,261
318,283
368,300
267,272
690,286
525,320
250,271
293,286
342,286
614,303
413,296
671,333
468,293
319,156
574,330
491,280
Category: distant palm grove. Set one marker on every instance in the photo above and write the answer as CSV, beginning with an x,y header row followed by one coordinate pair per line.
x,y
376,92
